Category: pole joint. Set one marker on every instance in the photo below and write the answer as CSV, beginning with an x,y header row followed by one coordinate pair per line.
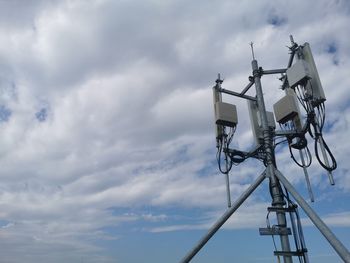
x,y
258,72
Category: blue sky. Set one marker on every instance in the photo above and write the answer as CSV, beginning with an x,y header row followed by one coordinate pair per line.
x,y
107,148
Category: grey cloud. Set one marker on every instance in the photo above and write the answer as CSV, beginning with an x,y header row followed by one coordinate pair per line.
x,y
16,15
127,88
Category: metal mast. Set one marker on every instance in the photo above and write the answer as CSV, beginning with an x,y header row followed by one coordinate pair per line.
x,y
277,195
301,83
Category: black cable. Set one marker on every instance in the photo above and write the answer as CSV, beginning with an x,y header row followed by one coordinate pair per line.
x,y
295,234
218,156
321,115
224,143
308,154
298,235
280,142
273,237
301,98
317,119
301,234
333,160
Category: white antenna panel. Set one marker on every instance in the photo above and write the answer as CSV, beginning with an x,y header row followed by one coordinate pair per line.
x,y
297,119
256,122
286,109
217,97
314,84
299,73
225,114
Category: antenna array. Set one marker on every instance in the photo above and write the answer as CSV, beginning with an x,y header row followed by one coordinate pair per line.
x,y
302,86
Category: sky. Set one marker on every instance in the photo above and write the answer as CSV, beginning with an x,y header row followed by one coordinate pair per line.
x,y
107,143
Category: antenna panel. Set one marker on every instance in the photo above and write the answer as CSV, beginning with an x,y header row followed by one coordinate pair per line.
x,y
297,118
270,120
226,114
314,85
286,109
253,115
256,123
299,73
217,97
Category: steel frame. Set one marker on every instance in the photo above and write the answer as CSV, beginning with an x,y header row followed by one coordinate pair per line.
x,y
275,177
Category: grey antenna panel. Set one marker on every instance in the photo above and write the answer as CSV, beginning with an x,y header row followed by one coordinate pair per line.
x,y
286,109
225,114
314,85
256,122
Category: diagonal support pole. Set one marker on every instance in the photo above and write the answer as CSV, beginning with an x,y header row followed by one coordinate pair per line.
x,y
322,227
223,218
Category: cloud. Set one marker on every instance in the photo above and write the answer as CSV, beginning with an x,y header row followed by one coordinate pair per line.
x,y
249,216
107,105
332,219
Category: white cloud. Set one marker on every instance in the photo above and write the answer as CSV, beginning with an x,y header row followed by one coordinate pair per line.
x,y
127,86
341,219
248,216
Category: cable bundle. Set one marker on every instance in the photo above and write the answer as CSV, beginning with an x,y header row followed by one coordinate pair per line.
x,y
223,146
316,116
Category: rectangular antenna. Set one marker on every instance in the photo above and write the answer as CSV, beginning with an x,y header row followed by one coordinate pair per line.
x,y
297,118
299,73
256,122
314,85
286,109
225,114
217,98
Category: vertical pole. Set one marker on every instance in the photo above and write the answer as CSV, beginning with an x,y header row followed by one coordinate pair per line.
x,y
324,229
311,195
325,158
217,98
228,191
277,195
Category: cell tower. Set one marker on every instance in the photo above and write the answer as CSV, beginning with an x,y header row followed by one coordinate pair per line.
x,y
302,86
